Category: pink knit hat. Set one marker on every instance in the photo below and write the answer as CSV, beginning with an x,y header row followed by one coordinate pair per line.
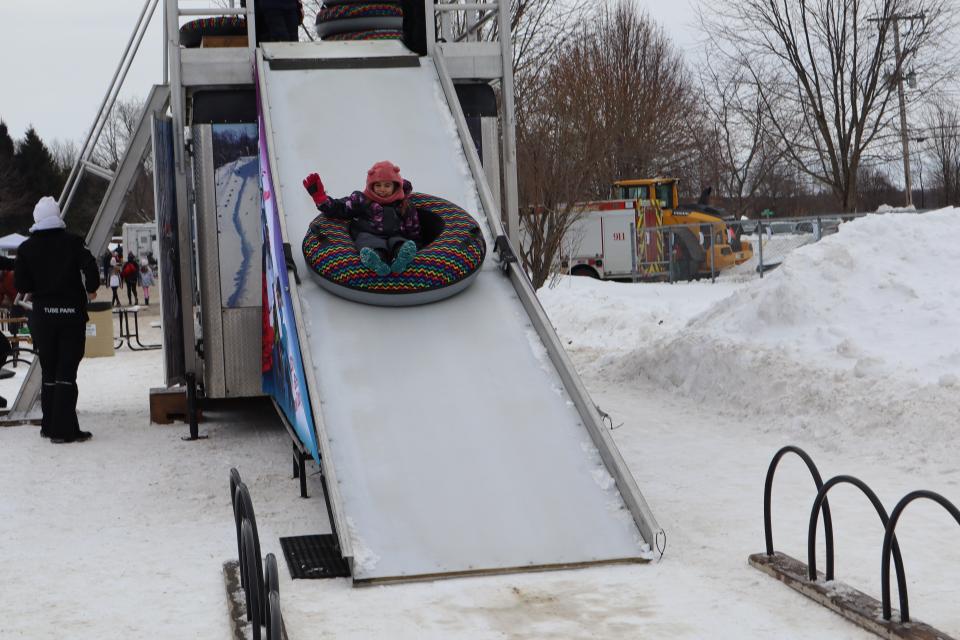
x,y
384,171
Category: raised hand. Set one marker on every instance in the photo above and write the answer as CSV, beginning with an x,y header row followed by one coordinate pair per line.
x,y
314,187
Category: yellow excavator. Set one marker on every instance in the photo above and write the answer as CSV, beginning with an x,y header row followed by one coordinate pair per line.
x,y
677,241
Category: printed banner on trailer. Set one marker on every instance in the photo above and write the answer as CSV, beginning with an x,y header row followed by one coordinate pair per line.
x,y
282,364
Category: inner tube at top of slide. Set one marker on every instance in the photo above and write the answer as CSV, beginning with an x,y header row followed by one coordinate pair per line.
x,y
344,18
191,33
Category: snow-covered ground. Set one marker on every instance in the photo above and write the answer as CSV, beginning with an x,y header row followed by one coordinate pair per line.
x,y
849,350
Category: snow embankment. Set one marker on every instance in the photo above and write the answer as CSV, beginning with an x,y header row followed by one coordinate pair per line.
x,y
856,337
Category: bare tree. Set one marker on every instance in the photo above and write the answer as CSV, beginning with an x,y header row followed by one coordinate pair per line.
x,y
559,144
111,147
64,154
876,188
117,131
942,125
745,152
649,108
615,101
824,71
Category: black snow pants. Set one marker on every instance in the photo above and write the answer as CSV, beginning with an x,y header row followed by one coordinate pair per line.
x,y
386,246
278,25
60,346
132,297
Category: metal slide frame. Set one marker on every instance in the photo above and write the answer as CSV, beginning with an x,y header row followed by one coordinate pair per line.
x,y
519,286
84,162
601,438
482,55
627,486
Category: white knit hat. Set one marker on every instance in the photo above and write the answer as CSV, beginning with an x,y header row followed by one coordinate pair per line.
x,y
46,215
46,207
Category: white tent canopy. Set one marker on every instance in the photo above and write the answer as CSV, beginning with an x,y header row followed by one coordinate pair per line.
x,y
11,242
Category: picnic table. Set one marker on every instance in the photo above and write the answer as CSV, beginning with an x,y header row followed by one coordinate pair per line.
x,y
130,333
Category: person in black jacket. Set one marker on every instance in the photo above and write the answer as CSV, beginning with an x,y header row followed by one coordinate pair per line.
x,y
60,273
131,275
277,20
415,26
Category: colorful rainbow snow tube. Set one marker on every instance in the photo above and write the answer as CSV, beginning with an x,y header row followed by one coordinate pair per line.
x,y
447,265
341,18
368,34
191,33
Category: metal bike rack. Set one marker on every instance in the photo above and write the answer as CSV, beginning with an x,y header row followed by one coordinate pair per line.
x,y
259,577
812,533
890,542
856,606
768,494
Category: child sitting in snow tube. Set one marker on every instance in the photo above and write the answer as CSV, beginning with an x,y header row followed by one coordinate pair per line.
x,y
384,224
414,248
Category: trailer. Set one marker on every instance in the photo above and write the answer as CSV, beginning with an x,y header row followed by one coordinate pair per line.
x,y
140,238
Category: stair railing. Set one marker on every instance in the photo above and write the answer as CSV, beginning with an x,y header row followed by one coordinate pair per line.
x,y
84,162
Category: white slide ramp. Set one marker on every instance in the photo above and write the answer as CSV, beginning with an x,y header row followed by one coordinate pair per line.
x,y
453,442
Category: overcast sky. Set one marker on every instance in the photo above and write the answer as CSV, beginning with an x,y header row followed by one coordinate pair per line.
x,y
677,17
57,58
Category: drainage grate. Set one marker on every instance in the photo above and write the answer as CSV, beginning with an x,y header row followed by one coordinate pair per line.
x,y
314,557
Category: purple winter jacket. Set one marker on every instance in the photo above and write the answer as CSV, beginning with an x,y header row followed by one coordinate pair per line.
x,y
397,219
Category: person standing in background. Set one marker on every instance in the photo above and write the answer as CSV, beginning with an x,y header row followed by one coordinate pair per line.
x,y
146,280
57,269
415,26
105,263
115,285
277,20
131,275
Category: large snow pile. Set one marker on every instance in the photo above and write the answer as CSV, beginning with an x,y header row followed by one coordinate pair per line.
x,y
856,335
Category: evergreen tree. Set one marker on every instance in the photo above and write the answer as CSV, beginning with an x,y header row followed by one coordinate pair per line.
x,y
14,202
6,144
35,164
35,174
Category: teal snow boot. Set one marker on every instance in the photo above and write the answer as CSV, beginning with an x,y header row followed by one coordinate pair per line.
x,y
405,254
372,260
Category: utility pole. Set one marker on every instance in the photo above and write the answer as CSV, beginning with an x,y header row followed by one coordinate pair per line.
x,y
898,73
923,194
904,138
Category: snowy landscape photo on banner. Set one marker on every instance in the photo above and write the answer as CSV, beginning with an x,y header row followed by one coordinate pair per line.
x,y
237,179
